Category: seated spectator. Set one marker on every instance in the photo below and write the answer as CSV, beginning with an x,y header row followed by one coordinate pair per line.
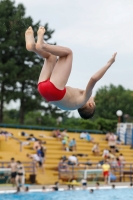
x,y
105,153
36,145
122,159
89,138
65,143
88,162
72,145
111,155
72,160
112,142
100,163
107,136
63,167
112,176
32,138
114,164
118,141
57,134
64,133
83,135
24,134
118,162
96,149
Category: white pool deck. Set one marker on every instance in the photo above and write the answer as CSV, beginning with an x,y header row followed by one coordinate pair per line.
x,y
38,188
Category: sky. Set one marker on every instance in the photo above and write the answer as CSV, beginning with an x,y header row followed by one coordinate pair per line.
x,y
94,30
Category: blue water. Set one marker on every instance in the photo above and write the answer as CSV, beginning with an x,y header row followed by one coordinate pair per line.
x,y
112,194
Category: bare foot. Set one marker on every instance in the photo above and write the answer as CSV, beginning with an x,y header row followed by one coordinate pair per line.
x,y
29,38
40,34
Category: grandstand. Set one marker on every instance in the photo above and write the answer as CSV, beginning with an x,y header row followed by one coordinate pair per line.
x,y
11,148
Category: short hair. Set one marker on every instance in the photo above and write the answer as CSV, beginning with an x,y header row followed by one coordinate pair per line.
x,y
86,112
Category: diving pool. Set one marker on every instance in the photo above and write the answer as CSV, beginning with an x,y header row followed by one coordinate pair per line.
x,y
108,194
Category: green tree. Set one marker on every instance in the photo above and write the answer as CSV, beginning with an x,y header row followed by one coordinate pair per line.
x,y
111,98
19,69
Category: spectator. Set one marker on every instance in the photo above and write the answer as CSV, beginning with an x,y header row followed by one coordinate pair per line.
x,y
32,138
35,158
106,169
13,166
41,153
84,183
112,142
36,145
57,134
64,133
100,163
89,138
72,160
112,176
111,155
65,143
88,162
122,159
105,153
63,167
72,145
24,134
118,162
20,177
96,149
114,164
107,136
83,135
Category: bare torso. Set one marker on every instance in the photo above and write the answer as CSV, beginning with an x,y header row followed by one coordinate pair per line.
x,y
72,100
13,166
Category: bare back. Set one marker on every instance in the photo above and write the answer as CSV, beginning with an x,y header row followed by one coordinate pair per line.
x,y
73,99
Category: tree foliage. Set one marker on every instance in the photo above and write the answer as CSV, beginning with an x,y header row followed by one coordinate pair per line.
x,y
19,69
111,98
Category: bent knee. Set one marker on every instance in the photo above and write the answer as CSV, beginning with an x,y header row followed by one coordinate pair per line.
x,y
52,58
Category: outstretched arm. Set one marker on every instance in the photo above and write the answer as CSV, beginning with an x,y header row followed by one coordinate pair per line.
x,y
97,76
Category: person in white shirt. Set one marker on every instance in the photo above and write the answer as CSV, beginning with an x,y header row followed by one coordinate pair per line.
x,y
83,135
105,153
72,160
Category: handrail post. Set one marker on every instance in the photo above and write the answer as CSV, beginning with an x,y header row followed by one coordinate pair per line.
x,y
20,146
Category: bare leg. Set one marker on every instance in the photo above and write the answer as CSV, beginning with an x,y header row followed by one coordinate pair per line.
x,y
62,69
32,46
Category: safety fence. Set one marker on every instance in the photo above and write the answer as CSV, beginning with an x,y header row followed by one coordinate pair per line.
x,y
94,172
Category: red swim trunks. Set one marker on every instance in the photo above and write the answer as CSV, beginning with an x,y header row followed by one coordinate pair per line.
x,y
50,92
106,173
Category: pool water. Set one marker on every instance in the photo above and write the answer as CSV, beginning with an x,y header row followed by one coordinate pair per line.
x,y
111,194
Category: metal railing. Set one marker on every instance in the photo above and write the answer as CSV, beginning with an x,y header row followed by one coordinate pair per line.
x,y
77,171
30,167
